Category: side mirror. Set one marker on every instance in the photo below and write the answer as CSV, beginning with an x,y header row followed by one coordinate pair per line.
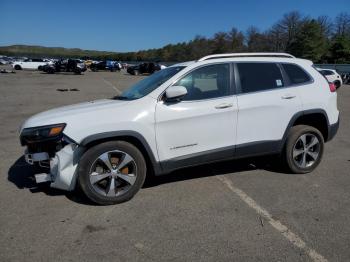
x,y
175,93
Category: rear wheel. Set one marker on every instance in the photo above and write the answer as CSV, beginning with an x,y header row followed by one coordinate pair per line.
x,y
18,67
136,72
111,172
304,149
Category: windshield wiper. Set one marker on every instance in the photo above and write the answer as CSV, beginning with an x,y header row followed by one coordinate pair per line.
x,y
121,98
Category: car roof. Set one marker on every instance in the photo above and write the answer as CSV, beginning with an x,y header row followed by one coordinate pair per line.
x,y
246,57
251,54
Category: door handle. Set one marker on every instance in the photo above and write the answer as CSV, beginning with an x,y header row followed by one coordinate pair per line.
x,y
288,96
223,105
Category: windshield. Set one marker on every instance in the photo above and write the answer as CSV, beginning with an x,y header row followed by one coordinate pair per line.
x,y
147,85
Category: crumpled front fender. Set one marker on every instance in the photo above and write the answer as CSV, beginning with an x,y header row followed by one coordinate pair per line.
x,y
63,167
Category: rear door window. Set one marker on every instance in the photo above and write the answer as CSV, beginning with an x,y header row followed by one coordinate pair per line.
x,y
296,74
256,76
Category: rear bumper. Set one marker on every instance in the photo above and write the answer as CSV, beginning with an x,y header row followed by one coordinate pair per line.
x,y
332,130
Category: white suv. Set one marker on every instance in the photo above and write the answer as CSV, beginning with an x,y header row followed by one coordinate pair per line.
x,y
219,107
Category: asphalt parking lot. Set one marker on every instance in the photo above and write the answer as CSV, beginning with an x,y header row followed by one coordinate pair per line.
x,y
234,211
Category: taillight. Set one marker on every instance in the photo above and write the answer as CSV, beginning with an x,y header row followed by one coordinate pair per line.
x,y
332,87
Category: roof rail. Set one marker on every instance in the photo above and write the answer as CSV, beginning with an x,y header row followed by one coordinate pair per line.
x,y
246,55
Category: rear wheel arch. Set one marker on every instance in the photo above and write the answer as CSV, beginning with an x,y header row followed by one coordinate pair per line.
x,y
316,118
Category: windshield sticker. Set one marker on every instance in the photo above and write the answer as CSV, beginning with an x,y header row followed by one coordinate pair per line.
x,y
278,82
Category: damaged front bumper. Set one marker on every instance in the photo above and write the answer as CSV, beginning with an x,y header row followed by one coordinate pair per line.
x,y
62,167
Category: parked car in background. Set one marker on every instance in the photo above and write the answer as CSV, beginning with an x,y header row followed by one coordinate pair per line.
x,y
106,65
31,63
345,77
67,65
216,108
88,62
332,76
4,60
144,68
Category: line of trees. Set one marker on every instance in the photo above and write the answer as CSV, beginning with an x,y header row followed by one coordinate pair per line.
x,y
321,39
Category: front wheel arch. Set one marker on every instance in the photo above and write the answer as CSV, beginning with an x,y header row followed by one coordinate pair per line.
x,y
132,137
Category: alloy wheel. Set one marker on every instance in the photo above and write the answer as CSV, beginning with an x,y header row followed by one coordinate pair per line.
x,y
113,173
306,150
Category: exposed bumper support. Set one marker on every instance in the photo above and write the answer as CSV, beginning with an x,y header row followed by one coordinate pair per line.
x,y
43,177
36,157
62,167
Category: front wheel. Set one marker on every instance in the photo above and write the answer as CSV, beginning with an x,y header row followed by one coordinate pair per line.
x,y
111,172
304,149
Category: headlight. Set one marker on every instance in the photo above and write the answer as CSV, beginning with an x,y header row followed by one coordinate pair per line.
x,y
42,133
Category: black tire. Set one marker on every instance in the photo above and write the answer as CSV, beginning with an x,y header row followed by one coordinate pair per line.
x,y
87,161
294,134
337,84
136,72
77,71
18,67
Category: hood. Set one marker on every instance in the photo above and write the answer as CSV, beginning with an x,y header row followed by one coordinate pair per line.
x,y
100,116
70,113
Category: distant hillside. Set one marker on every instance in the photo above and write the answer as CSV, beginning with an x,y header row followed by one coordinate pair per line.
x,y
41,51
